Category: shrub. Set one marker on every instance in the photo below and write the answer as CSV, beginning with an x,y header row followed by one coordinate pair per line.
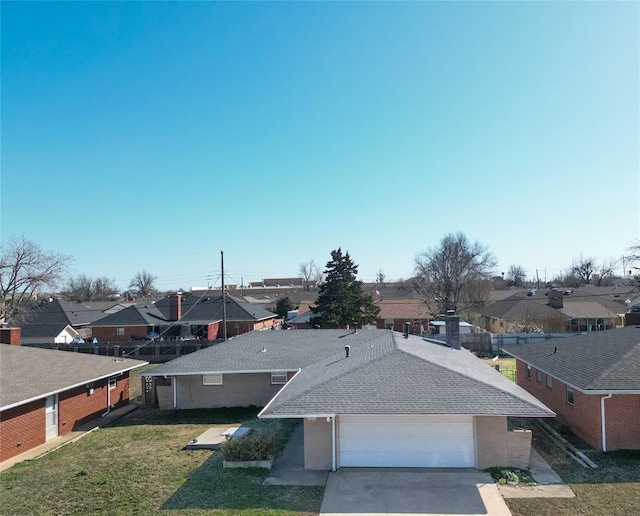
x,y
249,447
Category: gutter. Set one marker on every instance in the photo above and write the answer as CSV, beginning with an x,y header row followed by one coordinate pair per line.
x,y
603,421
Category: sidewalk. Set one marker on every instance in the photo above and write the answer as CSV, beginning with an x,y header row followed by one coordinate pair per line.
x,y
57,442
550,485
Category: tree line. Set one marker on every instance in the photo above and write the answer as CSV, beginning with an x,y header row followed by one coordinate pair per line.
x,y
456,274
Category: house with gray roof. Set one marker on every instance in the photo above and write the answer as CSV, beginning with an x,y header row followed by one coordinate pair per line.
x,y
592,382
46,393
416,402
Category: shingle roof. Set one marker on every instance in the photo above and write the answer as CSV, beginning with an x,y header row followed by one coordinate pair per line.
x,y
209,308
402,309
287,350
141,315
604,360
31,373
515,308
403,376
384,374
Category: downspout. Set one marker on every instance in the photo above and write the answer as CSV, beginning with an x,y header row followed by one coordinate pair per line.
x,y
333,443
108,400
603,421
174,384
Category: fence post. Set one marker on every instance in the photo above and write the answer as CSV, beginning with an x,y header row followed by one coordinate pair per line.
x,y
157,352
178,349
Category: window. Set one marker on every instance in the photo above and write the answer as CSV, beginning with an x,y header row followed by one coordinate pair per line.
x,y
538,376
120,330
569,396
278,378
212,379
528,372
112,383
549,382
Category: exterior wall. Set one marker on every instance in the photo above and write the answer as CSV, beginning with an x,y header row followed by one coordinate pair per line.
x,y
110,333
317,444
622,412
495,325
22,428
237,390
77,407
583,417
213,330
10,336
495,446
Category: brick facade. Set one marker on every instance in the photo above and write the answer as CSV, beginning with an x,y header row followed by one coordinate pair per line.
x,y
23,428
110,333
583,416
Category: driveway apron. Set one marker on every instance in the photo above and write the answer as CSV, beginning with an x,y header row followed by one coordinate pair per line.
x,y
359,491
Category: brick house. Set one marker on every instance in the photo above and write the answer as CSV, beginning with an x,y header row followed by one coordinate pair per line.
x,y
415,401
591,381
47,393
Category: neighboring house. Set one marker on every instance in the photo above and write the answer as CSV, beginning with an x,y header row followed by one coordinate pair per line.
x,y
371,398
439,327
46,393
205,313
556,311
60,321
591,381
132,323
394,313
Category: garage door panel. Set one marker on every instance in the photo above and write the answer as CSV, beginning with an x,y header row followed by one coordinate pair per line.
x,y
406,441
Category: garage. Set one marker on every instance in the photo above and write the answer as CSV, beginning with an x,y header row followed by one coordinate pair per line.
x,y
418,441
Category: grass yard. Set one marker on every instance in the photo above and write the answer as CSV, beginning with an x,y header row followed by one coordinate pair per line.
x,y
137,465
507,366
612,489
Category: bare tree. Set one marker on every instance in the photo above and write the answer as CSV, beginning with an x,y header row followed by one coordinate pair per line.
x,y
380,277
83,288
310,272
143,284
25,269
516,275
583,268
449,275
605,269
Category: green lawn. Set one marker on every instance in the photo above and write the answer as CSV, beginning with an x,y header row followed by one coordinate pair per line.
x,y
137,466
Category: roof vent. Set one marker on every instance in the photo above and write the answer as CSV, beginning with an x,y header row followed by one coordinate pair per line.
x,y
407,325
347,351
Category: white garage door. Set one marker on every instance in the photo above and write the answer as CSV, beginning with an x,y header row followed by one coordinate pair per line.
x,y
407,441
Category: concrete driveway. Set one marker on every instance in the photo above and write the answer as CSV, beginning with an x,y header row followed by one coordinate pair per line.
x,y
359,491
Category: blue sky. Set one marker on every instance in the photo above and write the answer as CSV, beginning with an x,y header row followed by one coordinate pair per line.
x,y
153,135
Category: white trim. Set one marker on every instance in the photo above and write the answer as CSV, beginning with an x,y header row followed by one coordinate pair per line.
x,y
223,371
276,396
333,443
84,382
174,384
604,421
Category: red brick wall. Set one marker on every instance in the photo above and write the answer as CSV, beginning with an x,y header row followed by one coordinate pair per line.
x,y
623,421
583,416
22,428
77,407
110,333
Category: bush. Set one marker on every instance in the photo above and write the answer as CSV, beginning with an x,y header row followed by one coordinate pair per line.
x,y
249,447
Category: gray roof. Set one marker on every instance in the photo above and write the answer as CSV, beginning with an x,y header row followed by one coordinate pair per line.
x,y
209,308
284,350
403,376
385,373
136,315
604,360
32,373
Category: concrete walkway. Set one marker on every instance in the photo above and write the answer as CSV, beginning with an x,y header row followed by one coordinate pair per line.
x,y
57,442
288,469
550,485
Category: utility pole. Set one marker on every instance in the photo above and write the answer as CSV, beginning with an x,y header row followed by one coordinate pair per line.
x,y
224,300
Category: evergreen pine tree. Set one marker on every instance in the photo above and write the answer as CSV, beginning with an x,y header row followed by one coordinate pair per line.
x,y
341,301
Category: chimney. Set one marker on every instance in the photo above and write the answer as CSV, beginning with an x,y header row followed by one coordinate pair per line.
x,y
407,325
10,336
347,351
555,299
175,307
452,326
